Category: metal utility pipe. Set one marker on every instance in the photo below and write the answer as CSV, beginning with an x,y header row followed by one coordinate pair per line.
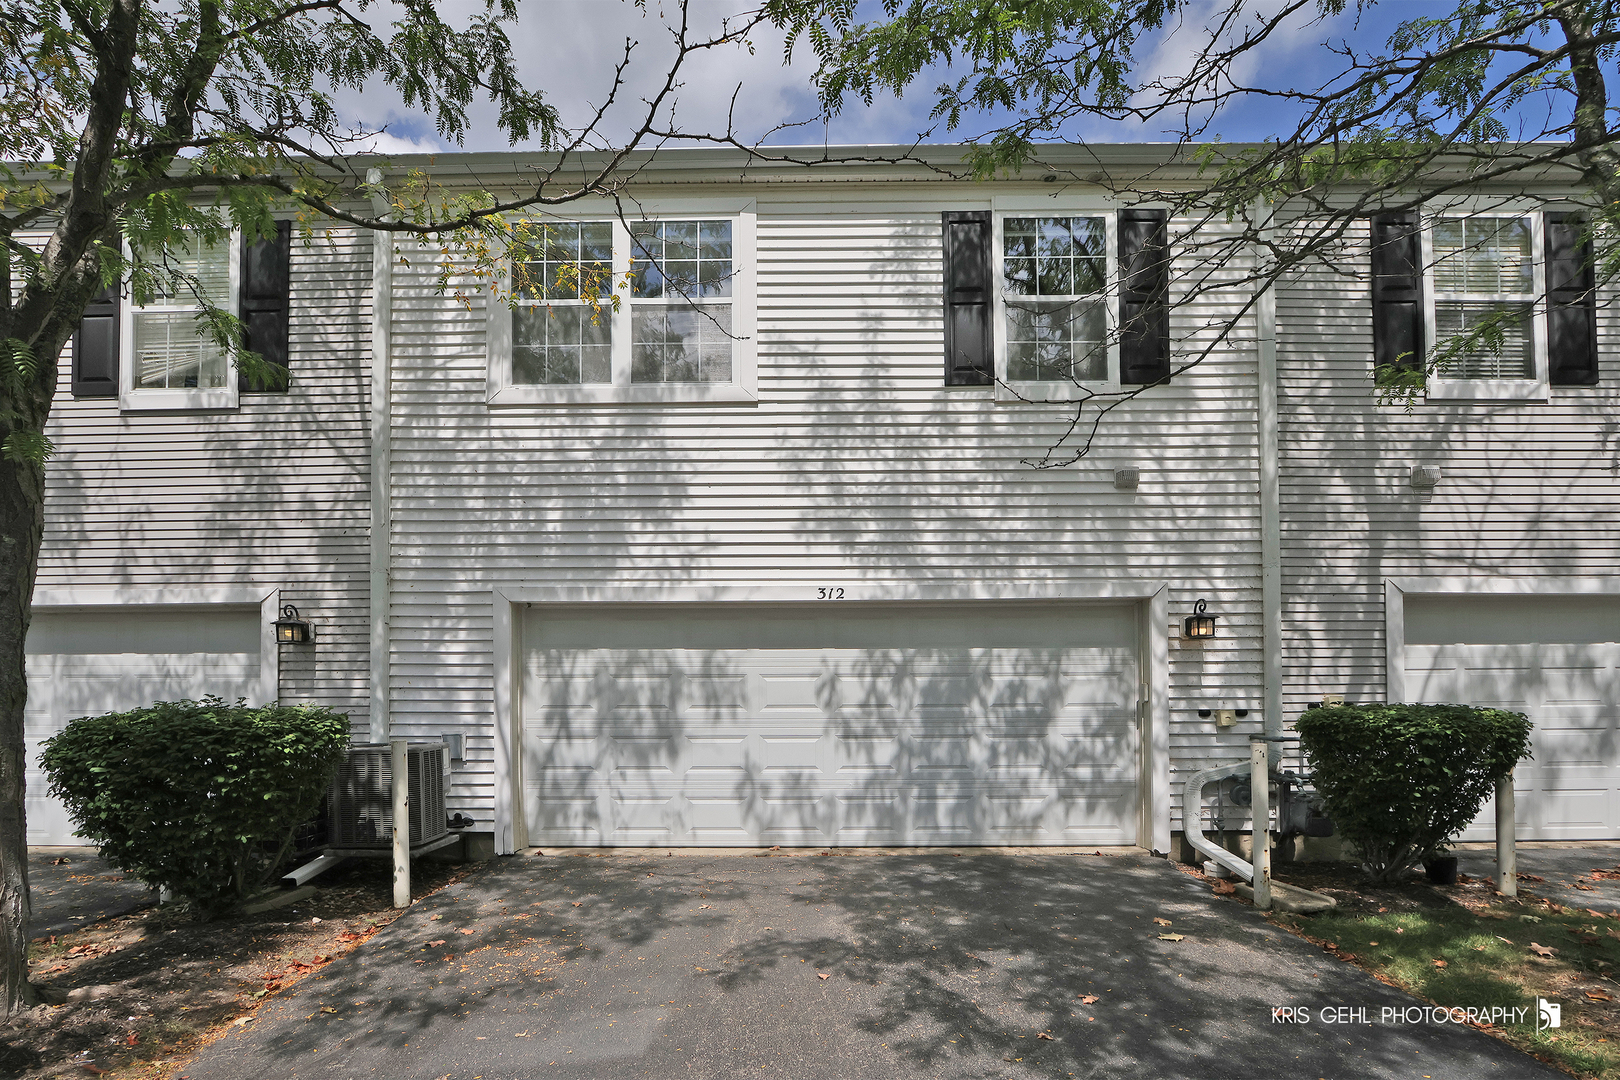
x,y
1192,824
400,780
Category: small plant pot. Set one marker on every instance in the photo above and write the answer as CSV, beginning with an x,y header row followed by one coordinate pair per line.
x,y
1442,870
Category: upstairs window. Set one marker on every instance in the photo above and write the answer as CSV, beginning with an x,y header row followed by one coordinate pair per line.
x,y
1045,305
1525,280
157,356
1485,272
560,337
170,361
654,310
1054,274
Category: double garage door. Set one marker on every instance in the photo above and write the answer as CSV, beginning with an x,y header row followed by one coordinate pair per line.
x,y
840,724
89,663
1555,659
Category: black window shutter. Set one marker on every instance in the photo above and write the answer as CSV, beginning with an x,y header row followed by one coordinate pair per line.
x,y
1144,296
1572,357
263,296
1397,291
969,360
95,347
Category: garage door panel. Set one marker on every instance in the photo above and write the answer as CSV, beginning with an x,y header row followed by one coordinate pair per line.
x,y
812,727
1570,789
92,663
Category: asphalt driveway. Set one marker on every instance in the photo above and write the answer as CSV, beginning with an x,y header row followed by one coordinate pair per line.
x,y
70,887
869,965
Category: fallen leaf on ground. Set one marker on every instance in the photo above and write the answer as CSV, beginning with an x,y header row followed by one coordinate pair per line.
x,y
1044,1035
1503,940
823,975
1439,963
434,918
1161,922
465,930
240,1020
1088,999
1542,950
1224,888
1331,946
1372,943
1400,929
579,903
327,1009
1172,937
1582,888
1596,914
63,861
701,907
434,944
1599,995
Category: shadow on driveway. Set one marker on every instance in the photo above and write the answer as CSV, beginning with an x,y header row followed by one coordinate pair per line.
x,y
642,964
70,887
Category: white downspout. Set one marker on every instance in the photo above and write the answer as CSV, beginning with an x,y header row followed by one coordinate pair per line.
x,y
1265,316
382,313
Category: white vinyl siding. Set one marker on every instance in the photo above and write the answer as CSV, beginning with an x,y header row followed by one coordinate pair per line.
x,y
857,466
1522,493
272,494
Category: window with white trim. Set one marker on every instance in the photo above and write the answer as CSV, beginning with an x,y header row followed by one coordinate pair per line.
x,y
652,310
169,359
1487,271
1054,308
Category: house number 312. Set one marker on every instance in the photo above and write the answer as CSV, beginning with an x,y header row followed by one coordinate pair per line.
x,y
834,593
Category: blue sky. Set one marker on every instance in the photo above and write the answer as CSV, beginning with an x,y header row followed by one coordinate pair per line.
x,y
568,48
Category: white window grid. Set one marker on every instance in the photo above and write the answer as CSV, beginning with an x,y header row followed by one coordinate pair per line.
x,y
618,312
1010,389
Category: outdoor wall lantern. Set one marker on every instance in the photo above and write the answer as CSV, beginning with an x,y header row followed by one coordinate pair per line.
x,y
291,630
1198,625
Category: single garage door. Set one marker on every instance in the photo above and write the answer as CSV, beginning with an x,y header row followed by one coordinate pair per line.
x,y
1556,660
89,663
842,724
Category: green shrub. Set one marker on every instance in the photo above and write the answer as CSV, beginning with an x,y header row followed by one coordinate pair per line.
x,y
1399,781
188,795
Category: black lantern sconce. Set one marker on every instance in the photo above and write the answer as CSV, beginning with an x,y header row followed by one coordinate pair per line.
x,y
291,630
1198,625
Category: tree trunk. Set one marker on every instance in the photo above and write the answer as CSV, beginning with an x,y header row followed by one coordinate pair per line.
x,y
22,503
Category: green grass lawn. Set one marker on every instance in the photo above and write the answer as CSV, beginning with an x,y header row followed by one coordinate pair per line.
x,y
1481,956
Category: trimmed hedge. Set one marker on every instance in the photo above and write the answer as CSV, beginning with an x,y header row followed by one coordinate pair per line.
x,y
1399,781
188,795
